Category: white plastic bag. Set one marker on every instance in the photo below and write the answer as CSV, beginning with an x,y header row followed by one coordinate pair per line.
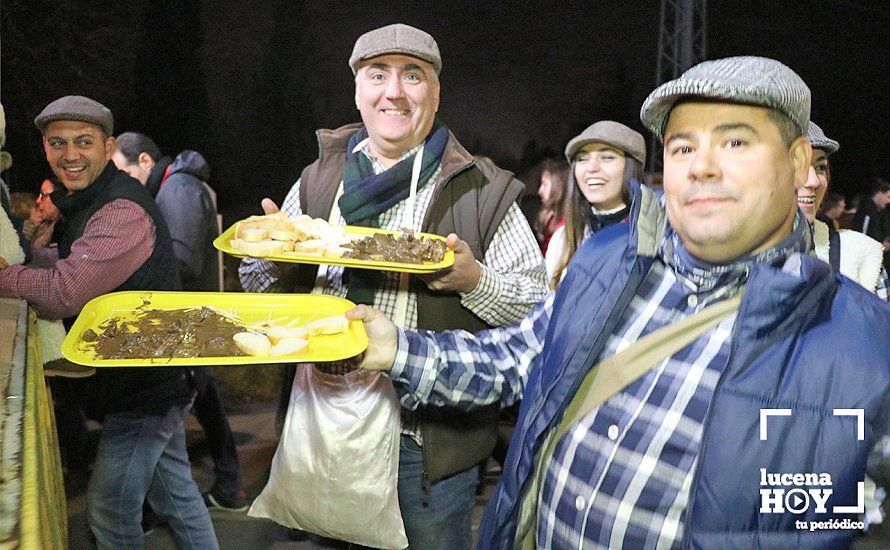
x,y
335,472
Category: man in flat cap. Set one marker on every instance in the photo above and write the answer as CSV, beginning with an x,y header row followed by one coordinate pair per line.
x,y
115,239
685,376
402,168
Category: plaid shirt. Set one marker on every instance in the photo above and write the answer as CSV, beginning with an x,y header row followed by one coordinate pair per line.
x,y
621,477
513,277
116,241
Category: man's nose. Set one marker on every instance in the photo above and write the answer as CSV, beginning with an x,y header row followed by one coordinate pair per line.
x,y
70,152
395,88
704,166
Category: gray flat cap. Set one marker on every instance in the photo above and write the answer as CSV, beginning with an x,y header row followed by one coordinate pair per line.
x,y
750,80
819,140
397,38
611,133
76,107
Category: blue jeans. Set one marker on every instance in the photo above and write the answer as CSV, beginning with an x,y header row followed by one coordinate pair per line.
x,y
210,413
445,522
144,456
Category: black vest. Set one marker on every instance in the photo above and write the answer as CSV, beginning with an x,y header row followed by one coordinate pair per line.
x,y
150,390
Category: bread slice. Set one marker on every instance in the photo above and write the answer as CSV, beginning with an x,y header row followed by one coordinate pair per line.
x,y
288,346
254,235
252,343
261,249
278,333
312,246
328,325
279,235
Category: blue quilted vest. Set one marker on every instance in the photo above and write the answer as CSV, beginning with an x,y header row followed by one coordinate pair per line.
x,y
785,354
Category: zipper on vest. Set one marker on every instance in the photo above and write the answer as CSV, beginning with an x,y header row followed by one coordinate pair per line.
x,y
424,474
695,477
425,483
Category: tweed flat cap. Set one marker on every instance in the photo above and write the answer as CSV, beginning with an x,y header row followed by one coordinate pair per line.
x,y
76,107
819,140
397,38
611,133
747,79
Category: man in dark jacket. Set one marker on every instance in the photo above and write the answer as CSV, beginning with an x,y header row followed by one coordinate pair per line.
x,y
180,189
115,238
698,426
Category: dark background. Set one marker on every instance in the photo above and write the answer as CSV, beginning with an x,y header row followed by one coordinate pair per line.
x,y
247,83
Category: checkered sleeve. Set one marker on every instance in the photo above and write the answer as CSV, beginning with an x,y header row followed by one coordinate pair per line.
x,y
513,277
466,370
257,274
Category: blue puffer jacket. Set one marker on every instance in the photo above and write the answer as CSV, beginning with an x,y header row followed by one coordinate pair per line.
x,y
811,343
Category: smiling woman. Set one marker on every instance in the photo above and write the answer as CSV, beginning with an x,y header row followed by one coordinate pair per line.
x,y
604,158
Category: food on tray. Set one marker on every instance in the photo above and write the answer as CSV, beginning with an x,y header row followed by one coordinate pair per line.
x,y
405,248
252,343
277,333
328,325
274,234
288,346
200,332
277,235
195,332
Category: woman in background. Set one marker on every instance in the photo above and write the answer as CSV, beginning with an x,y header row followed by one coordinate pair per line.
x,y
604,158
551,190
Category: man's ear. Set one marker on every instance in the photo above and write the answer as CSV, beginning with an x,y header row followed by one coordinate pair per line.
x,y
801,153
145,161
110,147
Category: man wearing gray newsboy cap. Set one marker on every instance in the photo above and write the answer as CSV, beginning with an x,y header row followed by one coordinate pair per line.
x,y
402,168
76,108
644,380
115,239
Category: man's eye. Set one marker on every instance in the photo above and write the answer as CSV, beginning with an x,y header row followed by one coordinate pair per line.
x,y
681,150
735,143
412,77
84,142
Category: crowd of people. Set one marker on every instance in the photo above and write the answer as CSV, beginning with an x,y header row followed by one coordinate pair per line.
x,y
640,330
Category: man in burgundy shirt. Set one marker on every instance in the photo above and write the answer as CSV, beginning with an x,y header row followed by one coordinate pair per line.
x,y
115,239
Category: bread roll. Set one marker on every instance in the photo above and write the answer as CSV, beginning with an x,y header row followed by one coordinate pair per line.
x,y
254,235
328,325
252,343
279,235
288,346
312,246
262,248
276,333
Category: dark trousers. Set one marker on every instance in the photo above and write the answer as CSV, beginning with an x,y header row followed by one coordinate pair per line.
x,y
209,411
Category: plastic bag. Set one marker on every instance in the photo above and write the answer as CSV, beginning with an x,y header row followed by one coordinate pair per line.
x,y
335,472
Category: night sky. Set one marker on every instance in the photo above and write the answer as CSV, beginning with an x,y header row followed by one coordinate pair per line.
x,y
247,85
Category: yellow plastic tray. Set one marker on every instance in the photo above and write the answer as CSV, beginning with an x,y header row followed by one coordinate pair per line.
x,y
223,242
251,308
